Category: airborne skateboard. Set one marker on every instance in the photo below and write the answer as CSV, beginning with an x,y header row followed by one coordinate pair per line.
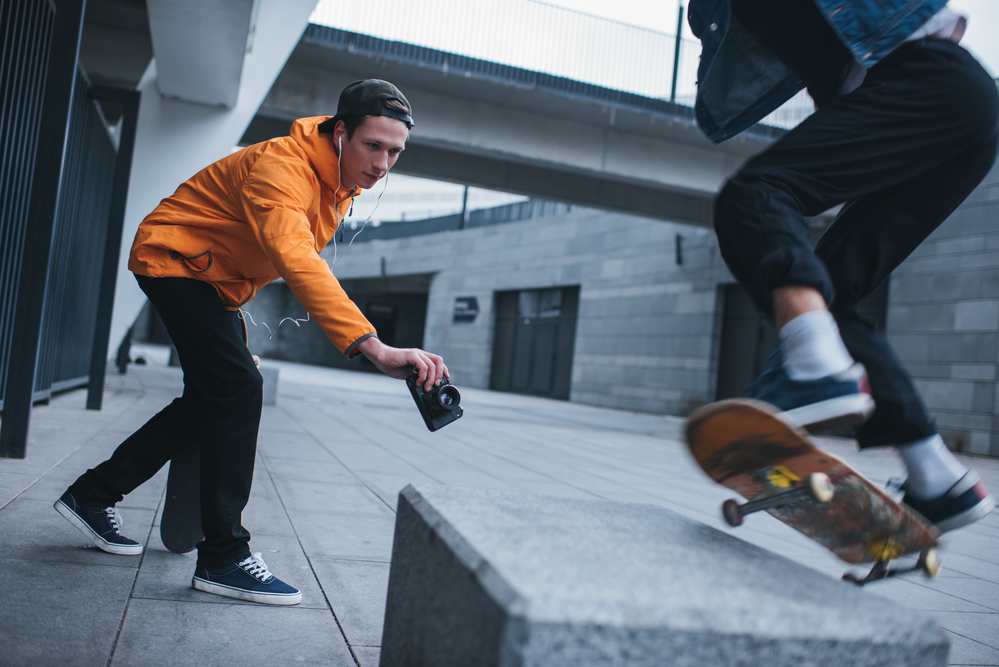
x,y
748,447
180,526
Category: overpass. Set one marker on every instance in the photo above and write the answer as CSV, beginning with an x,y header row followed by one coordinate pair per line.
x,y
494,126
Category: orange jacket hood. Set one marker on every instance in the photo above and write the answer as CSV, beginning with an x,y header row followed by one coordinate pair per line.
x,y
260,214
319,149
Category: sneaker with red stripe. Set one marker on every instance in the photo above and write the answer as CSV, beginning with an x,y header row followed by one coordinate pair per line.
x,y
966,502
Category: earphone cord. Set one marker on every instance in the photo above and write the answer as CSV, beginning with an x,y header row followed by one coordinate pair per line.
x,y
363,225
340,222
243,314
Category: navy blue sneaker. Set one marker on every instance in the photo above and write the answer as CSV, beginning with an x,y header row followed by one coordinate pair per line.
x,y
966,502
101,524
832,402
246,580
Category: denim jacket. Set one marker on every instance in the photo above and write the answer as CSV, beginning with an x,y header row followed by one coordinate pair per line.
x,y
740,82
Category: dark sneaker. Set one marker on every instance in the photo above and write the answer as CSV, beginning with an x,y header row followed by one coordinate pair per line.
x,y
101,524
832,402
966,502
246,580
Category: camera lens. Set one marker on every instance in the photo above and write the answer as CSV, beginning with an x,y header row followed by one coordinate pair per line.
x,y
446,397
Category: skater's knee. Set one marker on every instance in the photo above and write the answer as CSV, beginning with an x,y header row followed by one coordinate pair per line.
x,y
735,196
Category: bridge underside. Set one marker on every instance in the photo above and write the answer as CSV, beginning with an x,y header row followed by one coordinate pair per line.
x,y
497,127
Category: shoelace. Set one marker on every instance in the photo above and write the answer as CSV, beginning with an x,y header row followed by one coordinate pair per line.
x,y
114,518
256,567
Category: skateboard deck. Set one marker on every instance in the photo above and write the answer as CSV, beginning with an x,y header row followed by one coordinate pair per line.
x,y
180,526
746,446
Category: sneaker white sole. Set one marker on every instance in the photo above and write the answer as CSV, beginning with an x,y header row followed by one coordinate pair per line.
x,y
241,594
99,542
840,412
969,516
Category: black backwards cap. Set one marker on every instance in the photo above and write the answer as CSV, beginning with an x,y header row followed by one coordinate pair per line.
x,y
367,98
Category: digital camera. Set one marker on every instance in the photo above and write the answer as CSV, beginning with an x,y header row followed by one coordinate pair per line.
x,y
439,406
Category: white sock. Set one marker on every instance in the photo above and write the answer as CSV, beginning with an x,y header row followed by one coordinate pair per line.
x,y
812,346
931,467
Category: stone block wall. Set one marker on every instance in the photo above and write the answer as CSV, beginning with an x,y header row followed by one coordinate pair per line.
x,y
648,326
943,318
646,332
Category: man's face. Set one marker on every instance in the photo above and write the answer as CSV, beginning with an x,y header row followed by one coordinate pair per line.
x,y
368,156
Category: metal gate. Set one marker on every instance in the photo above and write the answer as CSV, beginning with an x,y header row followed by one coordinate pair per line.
x,y
534,339
81,227
63,183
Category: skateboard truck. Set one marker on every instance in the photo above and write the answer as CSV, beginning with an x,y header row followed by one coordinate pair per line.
x,y
928,564
817,487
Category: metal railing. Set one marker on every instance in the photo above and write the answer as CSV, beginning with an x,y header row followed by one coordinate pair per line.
x,y
538,37
27,29
62,191
483,217
77,256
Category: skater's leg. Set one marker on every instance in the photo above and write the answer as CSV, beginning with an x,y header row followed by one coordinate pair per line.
x,y
908,118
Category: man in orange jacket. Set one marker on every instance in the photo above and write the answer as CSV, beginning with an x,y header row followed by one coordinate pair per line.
x,y
260,214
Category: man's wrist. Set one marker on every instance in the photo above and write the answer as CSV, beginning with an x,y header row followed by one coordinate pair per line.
x,y
370,347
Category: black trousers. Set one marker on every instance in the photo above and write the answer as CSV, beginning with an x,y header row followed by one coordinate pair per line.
x,y
901,153
219,409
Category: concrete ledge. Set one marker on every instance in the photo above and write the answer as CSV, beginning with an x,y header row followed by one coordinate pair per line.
x,y
270,376
488,578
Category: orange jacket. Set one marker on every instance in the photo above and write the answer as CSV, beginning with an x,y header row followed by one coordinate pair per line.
x,y
260,214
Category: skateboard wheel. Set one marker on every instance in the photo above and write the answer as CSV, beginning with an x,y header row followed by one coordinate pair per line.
x,y
730,510
256,361
820,487
929,563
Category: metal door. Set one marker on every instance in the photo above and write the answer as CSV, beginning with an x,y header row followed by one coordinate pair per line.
x,y
534,338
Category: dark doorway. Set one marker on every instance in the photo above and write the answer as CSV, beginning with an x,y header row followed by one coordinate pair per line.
x,y
534,338
748,337
382,318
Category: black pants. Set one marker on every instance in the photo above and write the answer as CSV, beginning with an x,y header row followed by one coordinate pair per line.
x,y
902,152
219,409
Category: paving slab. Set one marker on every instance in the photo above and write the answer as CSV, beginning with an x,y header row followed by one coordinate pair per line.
x,y
367,656
481,577
965,651
356,590
329,535
159,632
984,626
62,613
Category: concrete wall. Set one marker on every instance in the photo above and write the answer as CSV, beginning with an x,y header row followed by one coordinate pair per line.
x,y
943,318
646,334
307,343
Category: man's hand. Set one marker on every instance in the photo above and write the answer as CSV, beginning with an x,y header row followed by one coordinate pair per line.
x,y
400,363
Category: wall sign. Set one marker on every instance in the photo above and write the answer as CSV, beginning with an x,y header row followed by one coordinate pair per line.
x,y
465,309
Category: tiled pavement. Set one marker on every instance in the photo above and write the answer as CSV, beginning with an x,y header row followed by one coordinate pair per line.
x,y
333,454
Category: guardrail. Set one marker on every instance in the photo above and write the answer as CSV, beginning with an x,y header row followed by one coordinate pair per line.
x,y
539,37
483,217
